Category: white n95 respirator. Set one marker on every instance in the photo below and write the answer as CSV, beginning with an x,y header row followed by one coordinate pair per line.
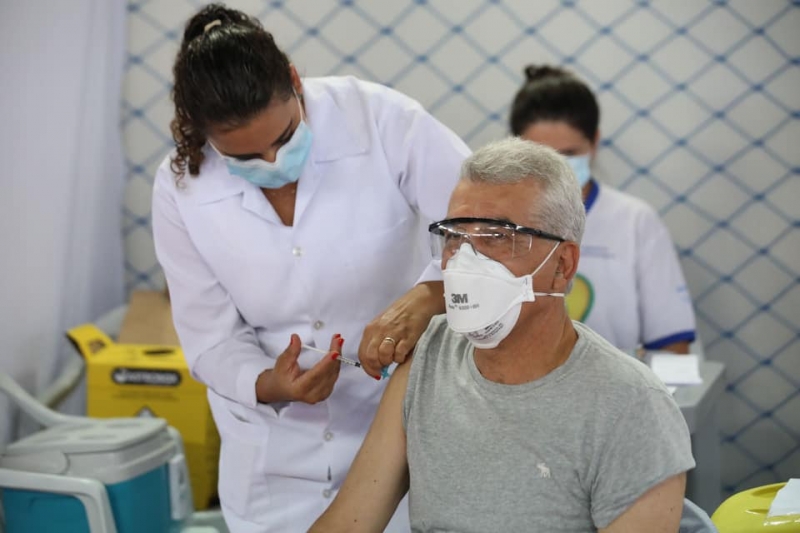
x,y
483,298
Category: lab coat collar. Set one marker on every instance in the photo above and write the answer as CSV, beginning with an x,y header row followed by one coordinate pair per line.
x,y
214,182
336,119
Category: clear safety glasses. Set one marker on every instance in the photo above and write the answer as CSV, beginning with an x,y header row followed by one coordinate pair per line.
x,y
497,239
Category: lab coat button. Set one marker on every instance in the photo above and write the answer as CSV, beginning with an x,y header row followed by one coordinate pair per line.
x,y
328,435
327,493
297,251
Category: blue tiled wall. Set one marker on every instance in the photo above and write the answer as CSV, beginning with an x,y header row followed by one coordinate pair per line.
x,y
701,118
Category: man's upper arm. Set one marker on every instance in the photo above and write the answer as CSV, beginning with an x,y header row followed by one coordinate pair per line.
x,y
378,478
657,510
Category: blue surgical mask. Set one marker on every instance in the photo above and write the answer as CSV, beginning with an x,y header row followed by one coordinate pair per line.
x,y
288,165
580,167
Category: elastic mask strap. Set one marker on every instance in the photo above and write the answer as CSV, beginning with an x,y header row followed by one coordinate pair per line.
x,y
215,149
300,104
546,259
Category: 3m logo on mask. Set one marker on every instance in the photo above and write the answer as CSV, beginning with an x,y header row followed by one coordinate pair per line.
x,y
457,299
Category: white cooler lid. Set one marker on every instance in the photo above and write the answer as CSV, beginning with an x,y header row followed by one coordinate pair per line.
x,y
109,450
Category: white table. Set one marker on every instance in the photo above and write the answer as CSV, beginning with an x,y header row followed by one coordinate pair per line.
x,y
699,405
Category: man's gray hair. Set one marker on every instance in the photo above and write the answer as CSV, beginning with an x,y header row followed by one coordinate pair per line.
x,y
560,210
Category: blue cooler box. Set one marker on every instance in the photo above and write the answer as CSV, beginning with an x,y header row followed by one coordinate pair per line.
x,y
125,475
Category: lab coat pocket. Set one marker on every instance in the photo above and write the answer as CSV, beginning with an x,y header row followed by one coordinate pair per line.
x,y
243,484
385,261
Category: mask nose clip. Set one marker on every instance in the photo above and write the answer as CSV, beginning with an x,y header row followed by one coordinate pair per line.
x,y
465,248
466,241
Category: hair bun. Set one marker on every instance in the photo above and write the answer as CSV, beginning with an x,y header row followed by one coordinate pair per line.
x,y
541,72
208,17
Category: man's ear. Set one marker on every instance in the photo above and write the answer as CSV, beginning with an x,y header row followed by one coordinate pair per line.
x,y
567,266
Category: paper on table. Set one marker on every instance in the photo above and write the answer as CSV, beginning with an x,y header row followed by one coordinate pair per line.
x,y
787,500
677,369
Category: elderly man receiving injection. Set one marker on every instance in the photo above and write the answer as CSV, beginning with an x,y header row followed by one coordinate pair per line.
x,y
510,416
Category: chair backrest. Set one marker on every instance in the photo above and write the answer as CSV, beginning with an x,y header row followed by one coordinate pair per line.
x,y
695,520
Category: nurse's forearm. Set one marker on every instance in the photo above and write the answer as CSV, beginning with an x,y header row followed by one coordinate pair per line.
x,y
432,292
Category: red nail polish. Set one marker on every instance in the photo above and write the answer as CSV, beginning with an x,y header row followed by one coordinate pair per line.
x,y
336,336
377,377
341,341
335,356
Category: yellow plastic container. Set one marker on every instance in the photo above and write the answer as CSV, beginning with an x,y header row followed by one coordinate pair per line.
x,y
746,512
152,381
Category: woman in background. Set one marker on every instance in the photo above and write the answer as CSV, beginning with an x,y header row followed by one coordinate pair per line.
x,y
290,214
629,287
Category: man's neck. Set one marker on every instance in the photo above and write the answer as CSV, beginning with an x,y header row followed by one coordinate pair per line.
x,y
534,348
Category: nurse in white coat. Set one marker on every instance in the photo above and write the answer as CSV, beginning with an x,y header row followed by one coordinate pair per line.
x,y
292,213
629,287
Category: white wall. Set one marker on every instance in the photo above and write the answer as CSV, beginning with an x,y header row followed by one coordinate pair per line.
x,y
61,256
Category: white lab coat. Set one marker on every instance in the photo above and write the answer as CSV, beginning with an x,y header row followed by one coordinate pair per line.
x,y
241,282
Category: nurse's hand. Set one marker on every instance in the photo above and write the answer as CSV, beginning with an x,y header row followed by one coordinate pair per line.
x,y
287,382
391,337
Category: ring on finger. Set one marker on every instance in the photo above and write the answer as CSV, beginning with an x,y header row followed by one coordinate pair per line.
x,y
389,339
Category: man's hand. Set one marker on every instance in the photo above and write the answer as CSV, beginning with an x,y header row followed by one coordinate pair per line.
x,y
391,337
288,382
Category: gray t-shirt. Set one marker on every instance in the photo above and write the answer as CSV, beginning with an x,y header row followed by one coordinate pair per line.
x,y
568,452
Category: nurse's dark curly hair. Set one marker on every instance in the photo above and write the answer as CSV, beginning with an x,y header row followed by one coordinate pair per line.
x,y
554,94
227,71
